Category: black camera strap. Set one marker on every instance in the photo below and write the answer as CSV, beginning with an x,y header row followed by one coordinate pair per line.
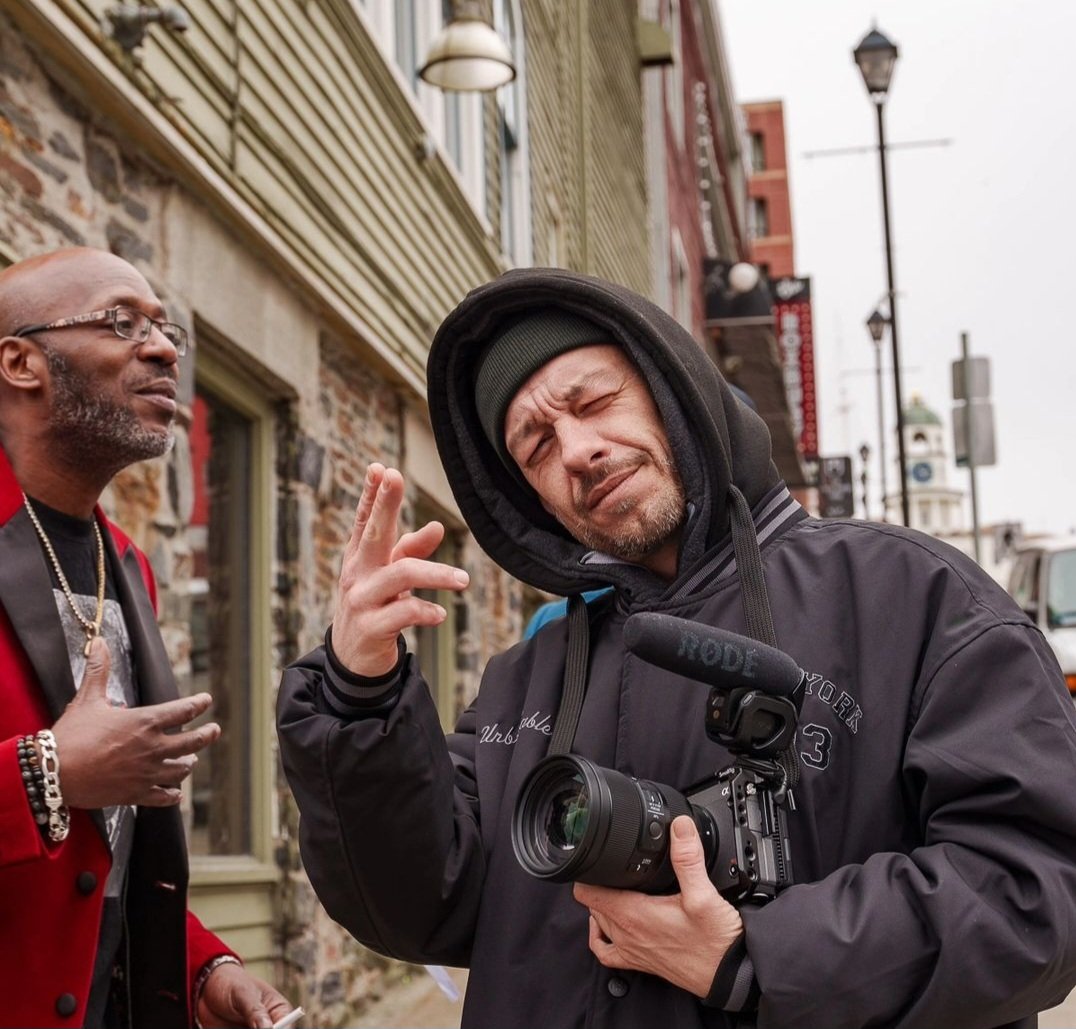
x,y
756,610
575,677
756,601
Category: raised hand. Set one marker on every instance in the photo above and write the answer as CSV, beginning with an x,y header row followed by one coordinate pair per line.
x,y
379,571
116,755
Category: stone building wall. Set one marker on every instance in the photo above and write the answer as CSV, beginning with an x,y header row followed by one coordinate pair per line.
x,y
69,178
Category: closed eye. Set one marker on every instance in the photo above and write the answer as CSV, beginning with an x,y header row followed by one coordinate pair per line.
x,y
592,405
540,448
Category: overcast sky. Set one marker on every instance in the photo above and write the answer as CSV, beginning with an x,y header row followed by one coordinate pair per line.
x,y
983,229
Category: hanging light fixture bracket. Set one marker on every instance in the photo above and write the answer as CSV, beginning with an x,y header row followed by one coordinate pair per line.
x,y
127,23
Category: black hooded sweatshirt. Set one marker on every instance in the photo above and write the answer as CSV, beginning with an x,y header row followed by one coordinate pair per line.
x,y
934,835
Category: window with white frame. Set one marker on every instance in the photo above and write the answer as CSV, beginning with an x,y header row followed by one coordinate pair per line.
x,y
405,42
758,218
758,152
404,30
512,123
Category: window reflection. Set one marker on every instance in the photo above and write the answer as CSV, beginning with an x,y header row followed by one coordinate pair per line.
x,y
221,451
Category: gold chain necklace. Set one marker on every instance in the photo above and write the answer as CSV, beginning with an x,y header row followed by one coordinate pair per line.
x,y
92,629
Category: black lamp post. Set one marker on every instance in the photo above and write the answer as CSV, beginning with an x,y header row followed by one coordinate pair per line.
x,y
864,457
876,57
876,324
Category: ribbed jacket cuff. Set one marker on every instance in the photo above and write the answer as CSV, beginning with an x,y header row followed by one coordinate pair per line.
x,y
735,987
349,695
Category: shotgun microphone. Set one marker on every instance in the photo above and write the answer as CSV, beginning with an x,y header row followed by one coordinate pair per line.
x,y
714,656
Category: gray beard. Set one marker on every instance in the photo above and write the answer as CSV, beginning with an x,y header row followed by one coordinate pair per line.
x,y
96,432
634,542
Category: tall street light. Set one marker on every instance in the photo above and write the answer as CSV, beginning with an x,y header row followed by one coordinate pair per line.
x,y
876,57
864,458
876,324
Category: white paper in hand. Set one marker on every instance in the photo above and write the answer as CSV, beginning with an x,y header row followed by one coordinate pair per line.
x,y
444,980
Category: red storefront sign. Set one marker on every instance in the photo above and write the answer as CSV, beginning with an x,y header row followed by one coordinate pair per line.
x,y
792,317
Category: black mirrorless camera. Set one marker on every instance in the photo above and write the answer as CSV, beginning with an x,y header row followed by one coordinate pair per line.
x,y
575,821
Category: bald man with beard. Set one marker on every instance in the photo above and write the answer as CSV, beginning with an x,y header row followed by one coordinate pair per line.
x,y
93,753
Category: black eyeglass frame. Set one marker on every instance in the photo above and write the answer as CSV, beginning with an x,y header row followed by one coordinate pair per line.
x,y
179,337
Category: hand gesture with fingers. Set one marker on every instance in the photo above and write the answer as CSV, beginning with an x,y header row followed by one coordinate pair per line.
x,y
380,569
116,755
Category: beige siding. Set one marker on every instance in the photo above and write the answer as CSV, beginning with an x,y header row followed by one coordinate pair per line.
x,y
296,106
616,190
554,122
242,915
586,131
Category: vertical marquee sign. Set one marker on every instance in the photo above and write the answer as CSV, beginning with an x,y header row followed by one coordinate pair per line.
x,y
792,317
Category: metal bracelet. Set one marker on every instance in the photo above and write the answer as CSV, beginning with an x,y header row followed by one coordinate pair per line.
x,y
59,816
203,977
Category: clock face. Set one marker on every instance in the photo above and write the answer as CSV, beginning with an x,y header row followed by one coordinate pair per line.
x,y
922,472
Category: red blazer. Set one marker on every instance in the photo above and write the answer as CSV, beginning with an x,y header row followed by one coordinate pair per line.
x,y
51,894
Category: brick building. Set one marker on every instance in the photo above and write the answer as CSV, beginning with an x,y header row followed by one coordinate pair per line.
x,y
310,211
696,172
769,199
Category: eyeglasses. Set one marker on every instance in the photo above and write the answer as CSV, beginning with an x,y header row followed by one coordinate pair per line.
x,y
126,322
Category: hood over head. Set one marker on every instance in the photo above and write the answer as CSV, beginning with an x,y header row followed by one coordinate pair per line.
x,y
517,353
716,440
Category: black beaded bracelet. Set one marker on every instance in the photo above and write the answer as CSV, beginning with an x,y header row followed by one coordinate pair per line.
x,y
33,779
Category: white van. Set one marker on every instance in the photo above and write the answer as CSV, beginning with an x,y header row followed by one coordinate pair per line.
x,y
1043,583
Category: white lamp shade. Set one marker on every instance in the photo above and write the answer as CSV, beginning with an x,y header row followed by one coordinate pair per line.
x,y
468,56
743,277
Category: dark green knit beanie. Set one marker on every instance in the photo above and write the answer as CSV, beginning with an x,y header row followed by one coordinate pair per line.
x,y
514,356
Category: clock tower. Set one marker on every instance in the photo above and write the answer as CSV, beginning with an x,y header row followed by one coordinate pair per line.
x,y
934,506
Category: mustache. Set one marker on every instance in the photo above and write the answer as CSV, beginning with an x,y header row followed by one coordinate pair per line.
x,y
158,370
589,481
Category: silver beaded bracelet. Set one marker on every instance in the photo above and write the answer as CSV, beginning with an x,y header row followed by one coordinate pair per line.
x,y
203,977
59,816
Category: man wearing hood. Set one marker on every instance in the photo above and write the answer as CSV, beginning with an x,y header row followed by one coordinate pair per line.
x,y
590,443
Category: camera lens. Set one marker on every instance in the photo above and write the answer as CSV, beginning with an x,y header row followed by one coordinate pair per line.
x,y
554,823
575,821
569,811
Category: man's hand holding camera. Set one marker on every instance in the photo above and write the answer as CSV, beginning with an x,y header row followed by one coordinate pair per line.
x,y
380,569
681,938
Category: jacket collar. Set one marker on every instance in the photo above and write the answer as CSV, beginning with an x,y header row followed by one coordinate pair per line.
x,y
27,598
773,515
